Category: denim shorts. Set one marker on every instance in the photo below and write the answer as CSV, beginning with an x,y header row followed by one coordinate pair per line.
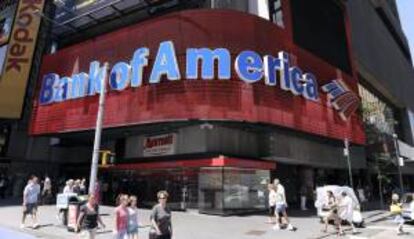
x,y
280,208
121,235
133,230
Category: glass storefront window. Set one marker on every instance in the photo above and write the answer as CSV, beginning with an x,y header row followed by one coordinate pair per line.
x,y
232,190
244,189
213,190
210,194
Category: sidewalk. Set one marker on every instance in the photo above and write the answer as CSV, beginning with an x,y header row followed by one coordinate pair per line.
x,y
190,225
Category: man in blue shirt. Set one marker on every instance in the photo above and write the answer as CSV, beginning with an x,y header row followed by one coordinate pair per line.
x,y
30,199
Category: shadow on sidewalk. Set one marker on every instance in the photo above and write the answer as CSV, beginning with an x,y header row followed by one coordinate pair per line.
x,y
12,201
291,212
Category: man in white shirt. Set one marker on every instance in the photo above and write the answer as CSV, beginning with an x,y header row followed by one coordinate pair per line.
x,y
30,199
346,210
281,205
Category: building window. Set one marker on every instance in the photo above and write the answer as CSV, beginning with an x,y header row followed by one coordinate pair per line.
x,y
276,12
319,27
376,113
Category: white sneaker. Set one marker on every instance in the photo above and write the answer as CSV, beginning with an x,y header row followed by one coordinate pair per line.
x,y
22,226
290,227
36,225
276,227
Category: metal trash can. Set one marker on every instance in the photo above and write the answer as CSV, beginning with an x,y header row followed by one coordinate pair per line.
x,y
62,204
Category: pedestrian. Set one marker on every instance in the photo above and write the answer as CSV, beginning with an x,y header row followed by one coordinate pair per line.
x,y
331,208
69,186
89,218
272,203
121,218
83,186
281,206
76,186
133,223
396,211
161,226
303,199
346,210
30,199
47,190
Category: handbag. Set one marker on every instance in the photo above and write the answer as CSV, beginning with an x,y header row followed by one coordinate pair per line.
x,y
395,209
152,234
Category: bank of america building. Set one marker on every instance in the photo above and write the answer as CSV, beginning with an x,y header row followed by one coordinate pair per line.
x,y
211,100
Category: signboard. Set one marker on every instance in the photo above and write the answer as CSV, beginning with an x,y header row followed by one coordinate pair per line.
x,y
7,11
19,57
245,78
159,145
249,66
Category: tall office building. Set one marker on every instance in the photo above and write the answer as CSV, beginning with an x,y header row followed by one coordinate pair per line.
x,y
213,99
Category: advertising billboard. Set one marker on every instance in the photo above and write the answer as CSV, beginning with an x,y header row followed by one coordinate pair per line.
x,y
18,62
159,145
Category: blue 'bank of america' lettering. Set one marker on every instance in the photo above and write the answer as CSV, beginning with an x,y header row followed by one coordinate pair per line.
x,y
249,66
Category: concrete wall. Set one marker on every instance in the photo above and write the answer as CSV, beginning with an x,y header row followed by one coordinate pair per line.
x,y
196,139
278,145
291,148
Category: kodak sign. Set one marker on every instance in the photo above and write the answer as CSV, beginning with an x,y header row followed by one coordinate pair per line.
x,y
19,58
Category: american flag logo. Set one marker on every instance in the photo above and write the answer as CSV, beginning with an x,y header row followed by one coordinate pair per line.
x,y
344,100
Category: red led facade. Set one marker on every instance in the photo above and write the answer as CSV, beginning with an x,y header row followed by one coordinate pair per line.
x,y
227,100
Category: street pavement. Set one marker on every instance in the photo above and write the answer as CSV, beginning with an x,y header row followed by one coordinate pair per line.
x,y
192,225
7,233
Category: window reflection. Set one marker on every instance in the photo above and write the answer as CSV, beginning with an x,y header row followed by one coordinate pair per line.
x,y
276,12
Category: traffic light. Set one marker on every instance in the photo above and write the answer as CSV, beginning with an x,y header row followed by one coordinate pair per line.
x,y
107,158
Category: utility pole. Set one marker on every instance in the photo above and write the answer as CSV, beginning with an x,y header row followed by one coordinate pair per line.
x,y
397,156
348,159
98,131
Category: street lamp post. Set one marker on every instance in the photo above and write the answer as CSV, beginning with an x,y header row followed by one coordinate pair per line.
x,y
98,131
397,156
348,159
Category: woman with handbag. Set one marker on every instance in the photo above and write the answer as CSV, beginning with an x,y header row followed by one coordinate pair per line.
x,y
161,227
396,210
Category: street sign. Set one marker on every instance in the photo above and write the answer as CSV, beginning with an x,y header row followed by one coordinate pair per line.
x,y
401,161
346,152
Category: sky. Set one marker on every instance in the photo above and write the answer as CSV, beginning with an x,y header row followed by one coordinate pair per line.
x,y
406,10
